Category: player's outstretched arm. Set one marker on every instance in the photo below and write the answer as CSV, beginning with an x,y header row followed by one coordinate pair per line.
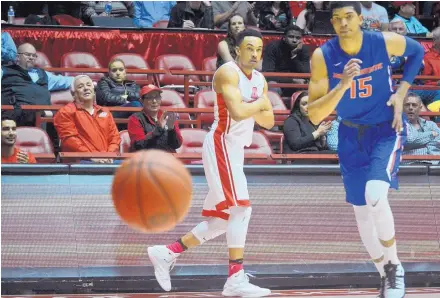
x,y
398,45
266,118
226,83
321,102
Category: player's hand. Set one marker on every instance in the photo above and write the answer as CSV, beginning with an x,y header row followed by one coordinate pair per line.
x,y
351,70
397,101
22,157
266,105
188,24
170,120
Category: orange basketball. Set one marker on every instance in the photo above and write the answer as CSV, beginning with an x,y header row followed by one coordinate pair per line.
x,y
152,191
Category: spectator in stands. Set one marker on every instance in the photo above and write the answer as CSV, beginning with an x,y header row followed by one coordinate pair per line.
x,y
300,135
275,15
423,135
432,59
226,48
224,10
9,50
115,90
153,128
10,153
191,15
306,18
24,84
288,54
406,14
146,13
91,9
397,26
84,126
332,135
375,16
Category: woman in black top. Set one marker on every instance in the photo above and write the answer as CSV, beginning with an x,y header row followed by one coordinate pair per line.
x,y
226,47
300,135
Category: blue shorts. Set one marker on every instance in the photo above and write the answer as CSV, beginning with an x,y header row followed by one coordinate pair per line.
x,y
368,153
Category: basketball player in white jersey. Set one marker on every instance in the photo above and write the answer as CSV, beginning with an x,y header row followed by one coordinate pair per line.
x,y
241,101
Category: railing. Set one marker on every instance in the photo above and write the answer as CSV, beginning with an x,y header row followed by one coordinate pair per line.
x,y
197,122
69,157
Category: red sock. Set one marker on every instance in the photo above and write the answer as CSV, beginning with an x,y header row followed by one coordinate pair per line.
x,y
235,266
177,247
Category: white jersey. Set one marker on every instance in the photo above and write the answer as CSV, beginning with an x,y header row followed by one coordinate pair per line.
x,y
238,132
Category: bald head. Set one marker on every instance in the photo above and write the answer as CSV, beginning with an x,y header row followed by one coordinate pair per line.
x,y
27,55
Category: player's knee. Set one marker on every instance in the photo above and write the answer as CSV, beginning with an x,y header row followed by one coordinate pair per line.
x,y
237,226
240,213
376,191
208,230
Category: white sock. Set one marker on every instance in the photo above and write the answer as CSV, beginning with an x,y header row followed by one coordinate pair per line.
x,y
376,195
368,233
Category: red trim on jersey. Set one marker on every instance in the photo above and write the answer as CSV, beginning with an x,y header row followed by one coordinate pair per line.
x,y
247,76
221,154
215,213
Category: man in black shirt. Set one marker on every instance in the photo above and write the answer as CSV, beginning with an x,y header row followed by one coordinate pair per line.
x,y
192,14
288,54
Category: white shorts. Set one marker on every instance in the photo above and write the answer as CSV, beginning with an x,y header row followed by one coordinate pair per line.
x,y
223,164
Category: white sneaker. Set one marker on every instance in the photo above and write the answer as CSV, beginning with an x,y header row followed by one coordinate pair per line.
x,y
163,261
238,285
395,281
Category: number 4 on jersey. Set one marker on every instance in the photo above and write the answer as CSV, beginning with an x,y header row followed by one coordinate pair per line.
x,y
361,88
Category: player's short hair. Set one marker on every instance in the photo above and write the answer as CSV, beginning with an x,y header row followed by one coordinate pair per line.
x,y
245,33
115,60
292,27
340,4
414,95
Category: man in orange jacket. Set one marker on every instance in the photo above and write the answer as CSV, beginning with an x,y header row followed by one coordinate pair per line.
x,y
84,126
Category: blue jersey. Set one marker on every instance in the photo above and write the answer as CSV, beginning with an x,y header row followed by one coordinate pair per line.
x,y
365,102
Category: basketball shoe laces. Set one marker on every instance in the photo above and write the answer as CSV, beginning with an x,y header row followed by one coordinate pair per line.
x,y
390,270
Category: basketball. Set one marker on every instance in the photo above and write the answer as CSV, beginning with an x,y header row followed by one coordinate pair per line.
x,y
152,191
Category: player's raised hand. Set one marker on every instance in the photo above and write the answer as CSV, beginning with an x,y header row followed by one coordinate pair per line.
x,y
351,70
397,101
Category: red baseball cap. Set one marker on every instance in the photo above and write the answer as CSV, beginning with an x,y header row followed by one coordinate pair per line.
x,y
397,4
148,88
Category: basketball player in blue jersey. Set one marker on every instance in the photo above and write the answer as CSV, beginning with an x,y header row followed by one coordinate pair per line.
x,y
351,73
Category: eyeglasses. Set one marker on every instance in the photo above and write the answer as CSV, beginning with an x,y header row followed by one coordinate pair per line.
x,y
29,55
157,97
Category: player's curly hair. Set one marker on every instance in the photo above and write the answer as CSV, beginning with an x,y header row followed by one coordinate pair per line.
x,y
340,4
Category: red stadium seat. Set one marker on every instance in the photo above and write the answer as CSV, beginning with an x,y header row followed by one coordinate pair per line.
x,y
260,145
125,141
174,62
172,99
67,20
81,60
61,97
209,64
277,104
205,99
192,140
161,24
42,61
34,140
135,61
273,136
192,143
19,21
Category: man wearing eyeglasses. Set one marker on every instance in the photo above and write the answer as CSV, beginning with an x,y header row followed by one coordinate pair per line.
x,y
153,128
25,84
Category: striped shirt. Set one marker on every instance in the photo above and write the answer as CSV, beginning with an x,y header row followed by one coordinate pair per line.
x,y
422,141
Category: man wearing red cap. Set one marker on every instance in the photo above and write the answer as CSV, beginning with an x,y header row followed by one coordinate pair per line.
x,y
406,14
153,128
